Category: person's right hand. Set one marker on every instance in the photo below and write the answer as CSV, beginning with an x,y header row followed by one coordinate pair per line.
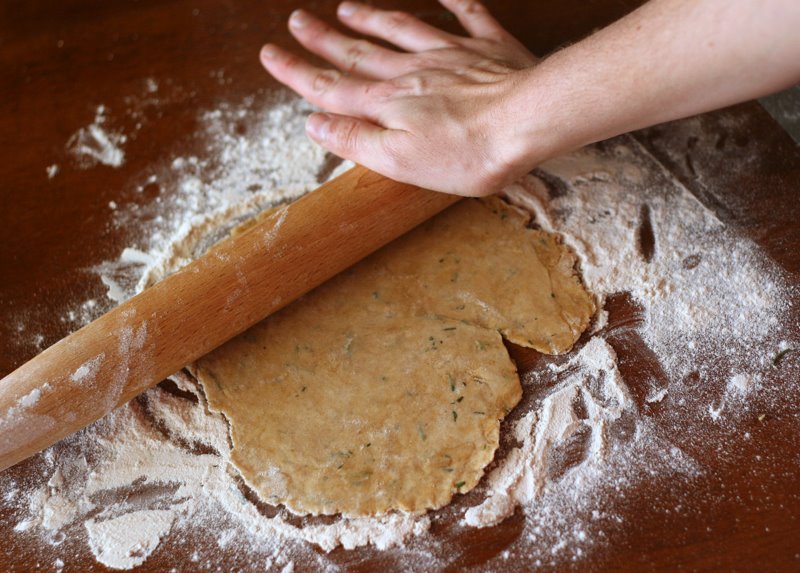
x,y
441,112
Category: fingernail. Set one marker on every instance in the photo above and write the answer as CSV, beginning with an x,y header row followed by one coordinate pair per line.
x,y
298,19
347,9
318,125
268,52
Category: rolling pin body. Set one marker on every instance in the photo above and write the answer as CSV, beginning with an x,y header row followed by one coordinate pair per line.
x,y
232,287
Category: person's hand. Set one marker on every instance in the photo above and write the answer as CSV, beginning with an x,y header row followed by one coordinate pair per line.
x,y
440,112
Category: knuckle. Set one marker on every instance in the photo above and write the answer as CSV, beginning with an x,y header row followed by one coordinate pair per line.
x,y
315,33
380,91
324,81
418,85
396,20
346,135
414,85
355,54
471,8
290,62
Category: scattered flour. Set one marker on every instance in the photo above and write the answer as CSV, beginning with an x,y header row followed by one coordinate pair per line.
x,y
702,287
253,158
161,464
656,396
128,540
736,390
95,144
115,292
593,385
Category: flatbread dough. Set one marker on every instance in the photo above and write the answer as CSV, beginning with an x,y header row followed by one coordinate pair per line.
x,y
384,388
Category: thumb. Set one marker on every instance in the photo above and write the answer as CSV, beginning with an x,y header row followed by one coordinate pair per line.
x,y
351,138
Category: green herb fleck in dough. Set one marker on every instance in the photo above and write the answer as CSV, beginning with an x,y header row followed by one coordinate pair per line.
x,y
455,416
460,484
214,379
421,432
449,328
348,345
361,477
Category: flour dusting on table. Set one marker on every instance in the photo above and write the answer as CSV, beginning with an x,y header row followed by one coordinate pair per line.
x,y
159,468
95,143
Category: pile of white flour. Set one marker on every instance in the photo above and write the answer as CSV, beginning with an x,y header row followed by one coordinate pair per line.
x,y
158,469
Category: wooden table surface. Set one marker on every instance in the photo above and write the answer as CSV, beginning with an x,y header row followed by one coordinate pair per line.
x,y
59,59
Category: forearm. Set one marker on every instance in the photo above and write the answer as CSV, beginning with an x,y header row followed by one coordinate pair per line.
x,y
666,60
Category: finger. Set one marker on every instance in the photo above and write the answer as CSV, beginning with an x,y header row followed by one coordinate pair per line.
x,y
352,138
353,56
328,89
399,28
476,19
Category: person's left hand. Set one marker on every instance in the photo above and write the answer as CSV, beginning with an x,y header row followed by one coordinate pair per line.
x,y
443,113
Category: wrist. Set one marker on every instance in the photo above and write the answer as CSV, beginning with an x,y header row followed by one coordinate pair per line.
x,y
534,130
544,123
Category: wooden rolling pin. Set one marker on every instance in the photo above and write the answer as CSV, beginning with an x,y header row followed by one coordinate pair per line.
x,y
139,343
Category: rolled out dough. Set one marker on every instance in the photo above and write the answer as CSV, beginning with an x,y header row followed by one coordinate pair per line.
x,y
384,388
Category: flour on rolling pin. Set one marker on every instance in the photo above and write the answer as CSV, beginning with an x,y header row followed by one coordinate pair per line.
x,y
159,467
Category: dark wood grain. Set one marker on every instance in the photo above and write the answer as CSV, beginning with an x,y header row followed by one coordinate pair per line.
x,y
59,59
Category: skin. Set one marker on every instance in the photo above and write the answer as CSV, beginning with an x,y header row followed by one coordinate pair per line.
x,y
469,114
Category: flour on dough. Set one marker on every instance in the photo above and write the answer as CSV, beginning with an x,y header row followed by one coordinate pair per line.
x,y
384,388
